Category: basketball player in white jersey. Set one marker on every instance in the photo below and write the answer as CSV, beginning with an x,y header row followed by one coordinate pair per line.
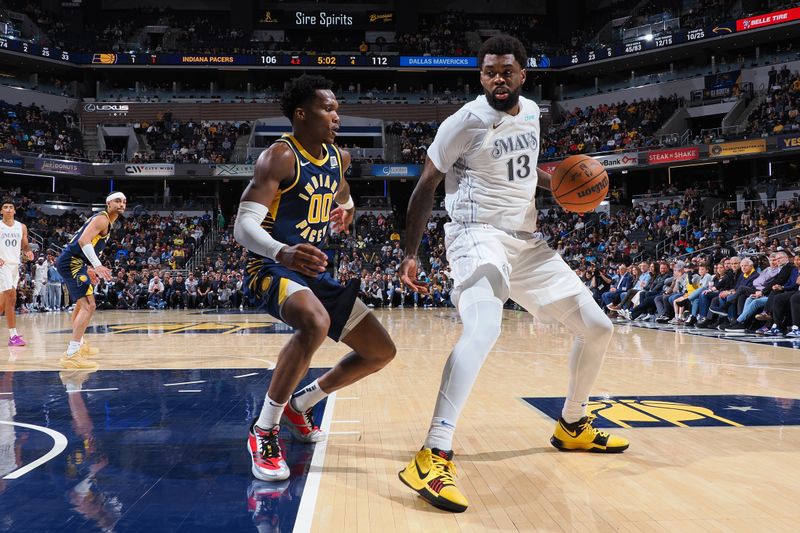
x,y
487,153
13,240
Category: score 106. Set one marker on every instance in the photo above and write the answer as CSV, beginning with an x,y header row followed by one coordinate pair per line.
x,y
327,61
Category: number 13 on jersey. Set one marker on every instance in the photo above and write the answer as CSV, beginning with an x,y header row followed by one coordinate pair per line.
x,y
519,167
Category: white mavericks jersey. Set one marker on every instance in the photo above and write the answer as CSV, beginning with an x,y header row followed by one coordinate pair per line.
x,y
489,158
10,242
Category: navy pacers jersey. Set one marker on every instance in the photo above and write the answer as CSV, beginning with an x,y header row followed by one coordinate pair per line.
x,y
98,242
73,265
300,214
302,206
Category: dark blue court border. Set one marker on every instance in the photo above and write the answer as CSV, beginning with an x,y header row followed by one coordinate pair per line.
x,y
144,457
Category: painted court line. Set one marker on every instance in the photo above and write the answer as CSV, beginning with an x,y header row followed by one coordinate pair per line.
x,y
305,511
190,390
94,390
245,375
183,383
59,443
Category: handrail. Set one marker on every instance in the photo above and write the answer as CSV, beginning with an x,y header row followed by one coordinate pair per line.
x,y
733,242
199,254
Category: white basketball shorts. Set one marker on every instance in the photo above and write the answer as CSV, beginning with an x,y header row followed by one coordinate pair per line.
x,y
9,277
533,274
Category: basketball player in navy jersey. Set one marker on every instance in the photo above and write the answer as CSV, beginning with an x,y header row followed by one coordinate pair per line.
x,y
487,153
81,268
283,218
13,242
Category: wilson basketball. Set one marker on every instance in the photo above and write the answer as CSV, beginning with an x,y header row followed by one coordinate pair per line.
x,y
579,183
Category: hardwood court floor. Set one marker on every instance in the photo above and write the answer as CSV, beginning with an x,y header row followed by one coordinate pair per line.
x,y
725,459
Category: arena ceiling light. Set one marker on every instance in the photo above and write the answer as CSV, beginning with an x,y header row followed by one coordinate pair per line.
x,y
648,37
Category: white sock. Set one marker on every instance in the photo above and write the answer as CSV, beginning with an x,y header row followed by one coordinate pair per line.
x,y
73,347
82,341
573,411
270,413
481,313
12,332
307,397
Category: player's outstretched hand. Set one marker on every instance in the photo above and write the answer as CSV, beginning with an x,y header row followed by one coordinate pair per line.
x,y
304,258
29,255
99,272
341,219
408,275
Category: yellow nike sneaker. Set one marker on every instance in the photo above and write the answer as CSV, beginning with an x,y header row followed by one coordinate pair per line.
x,y
78,361
581,435
431,473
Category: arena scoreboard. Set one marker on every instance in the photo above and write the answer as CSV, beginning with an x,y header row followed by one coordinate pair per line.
x,y
250,60
645,43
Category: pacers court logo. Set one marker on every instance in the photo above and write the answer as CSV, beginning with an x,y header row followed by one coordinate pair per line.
x,y
682,411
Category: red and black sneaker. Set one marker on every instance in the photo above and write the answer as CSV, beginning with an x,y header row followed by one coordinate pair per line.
x,y
266,454
301,425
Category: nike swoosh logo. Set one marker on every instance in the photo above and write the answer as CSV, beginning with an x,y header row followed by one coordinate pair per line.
x,y
573,434
420,473
306,163
495,126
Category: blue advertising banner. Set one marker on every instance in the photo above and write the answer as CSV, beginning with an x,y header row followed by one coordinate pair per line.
x,y
64,167
7,160
397,171
430,61
789,142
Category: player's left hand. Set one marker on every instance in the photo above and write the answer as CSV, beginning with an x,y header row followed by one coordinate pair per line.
x,y
341,219
29,255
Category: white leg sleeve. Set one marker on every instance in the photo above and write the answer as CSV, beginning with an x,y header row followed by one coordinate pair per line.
x,y
592,330
481,313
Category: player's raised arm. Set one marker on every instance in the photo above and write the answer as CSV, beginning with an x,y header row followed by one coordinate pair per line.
x,y
98,226
420,207
342,216
275,165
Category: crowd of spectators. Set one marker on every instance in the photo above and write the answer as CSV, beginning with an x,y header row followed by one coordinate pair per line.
x,y
34,129
608,128
414,139
778,112
174,141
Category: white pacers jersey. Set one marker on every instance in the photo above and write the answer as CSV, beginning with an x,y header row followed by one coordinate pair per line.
x,y
10,242
489,158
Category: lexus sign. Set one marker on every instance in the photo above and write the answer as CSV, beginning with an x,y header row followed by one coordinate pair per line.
x,y
115,110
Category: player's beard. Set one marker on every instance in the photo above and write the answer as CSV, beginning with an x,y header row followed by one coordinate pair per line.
x,y
503,105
